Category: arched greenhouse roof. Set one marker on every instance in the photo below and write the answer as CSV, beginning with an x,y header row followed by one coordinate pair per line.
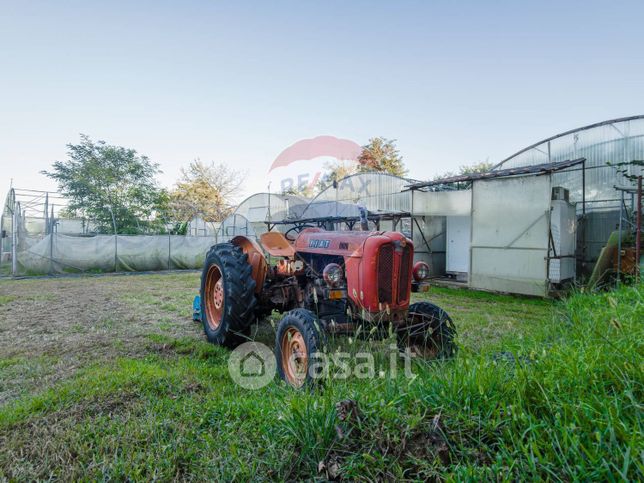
x,y
618,140
261,207
603,145
235,225
378,192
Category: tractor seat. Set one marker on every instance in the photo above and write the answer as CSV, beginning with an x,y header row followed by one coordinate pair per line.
x,y
276,244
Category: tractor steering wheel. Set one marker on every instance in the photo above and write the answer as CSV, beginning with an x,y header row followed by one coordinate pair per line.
x,y
291,233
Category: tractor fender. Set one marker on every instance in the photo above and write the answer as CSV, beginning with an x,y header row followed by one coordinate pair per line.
x,y
256,259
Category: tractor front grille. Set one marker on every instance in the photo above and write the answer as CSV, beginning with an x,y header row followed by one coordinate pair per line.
x,y
394,272
405,273
385,268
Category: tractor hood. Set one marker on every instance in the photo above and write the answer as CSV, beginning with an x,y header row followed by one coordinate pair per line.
x,y
342,243
378,265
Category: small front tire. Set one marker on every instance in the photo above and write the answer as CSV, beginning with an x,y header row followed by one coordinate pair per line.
x,y
430,332
298,344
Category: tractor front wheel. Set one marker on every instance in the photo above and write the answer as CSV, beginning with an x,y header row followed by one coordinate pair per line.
x,y
429,333
227,295
297,347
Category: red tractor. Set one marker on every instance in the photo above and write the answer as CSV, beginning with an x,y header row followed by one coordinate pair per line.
x,y
323,282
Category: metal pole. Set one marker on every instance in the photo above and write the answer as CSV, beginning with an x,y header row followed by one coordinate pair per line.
x,y
51,241
167,228
619,238
46,210
583,215
638,235
14,239
116,240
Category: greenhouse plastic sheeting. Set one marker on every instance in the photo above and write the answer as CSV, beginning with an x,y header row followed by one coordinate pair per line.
x,y
442,203
262,207
429,242
103,253
375,191
510,234
236,225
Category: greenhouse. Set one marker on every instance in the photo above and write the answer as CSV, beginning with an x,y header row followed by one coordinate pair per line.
x,y
537,221
576,179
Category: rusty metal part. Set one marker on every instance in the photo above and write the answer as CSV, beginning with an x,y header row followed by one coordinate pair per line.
x,y
214,296
276,244
341,328
294,357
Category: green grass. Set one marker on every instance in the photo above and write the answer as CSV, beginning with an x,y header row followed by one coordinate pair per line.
x,y
5,299
563,403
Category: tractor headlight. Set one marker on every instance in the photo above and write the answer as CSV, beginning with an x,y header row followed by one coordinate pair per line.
x,y
421,271
333,274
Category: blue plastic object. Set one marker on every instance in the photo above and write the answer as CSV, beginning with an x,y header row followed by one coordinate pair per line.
x,y
196,309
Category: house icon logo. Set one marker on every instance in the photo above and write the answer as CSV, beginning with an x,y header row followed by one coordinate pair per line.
x,y
252,365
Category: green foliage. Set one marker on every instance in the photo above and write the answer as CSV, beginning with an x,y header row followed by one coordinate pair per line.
x,y
624,169
98,177
480,167
204,190
307,191
382,156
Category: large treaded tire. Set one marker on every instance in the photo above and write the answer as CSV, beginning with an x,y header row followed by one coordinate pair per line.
x,y
228,263
431,332
303,325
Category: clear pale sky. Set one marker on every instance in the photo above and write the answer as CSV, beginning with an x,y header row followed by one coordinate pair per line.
x,y
237,82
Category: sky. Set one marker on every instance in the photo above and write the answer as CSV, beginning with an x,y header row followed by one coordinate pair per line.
x,y
238,82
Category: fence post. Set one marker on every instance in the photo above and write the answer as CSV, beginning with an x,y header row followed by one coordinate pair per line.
x,y
169,241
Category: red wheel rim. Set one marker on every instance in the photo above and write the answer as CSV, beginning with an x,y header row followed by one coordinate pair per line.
x,y
214,296
295,359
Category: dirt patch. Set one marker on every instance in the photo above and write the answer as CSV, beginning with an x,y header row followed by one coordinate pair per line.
x,y
69,323
52,441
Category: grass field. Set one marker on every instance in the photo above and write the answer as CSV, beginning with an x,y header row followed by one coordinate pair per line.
x,y
108,378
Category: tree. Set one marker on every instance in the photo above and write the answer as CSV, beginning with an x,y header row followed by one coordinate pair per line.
x,y
205,190
334,173
479,167
382,156
624,169
379,155
306,191
101,180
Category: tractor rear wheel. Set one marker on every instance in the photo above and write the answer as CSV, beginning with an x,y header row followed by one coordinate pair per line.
x,y
430,332
227,295
297,345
